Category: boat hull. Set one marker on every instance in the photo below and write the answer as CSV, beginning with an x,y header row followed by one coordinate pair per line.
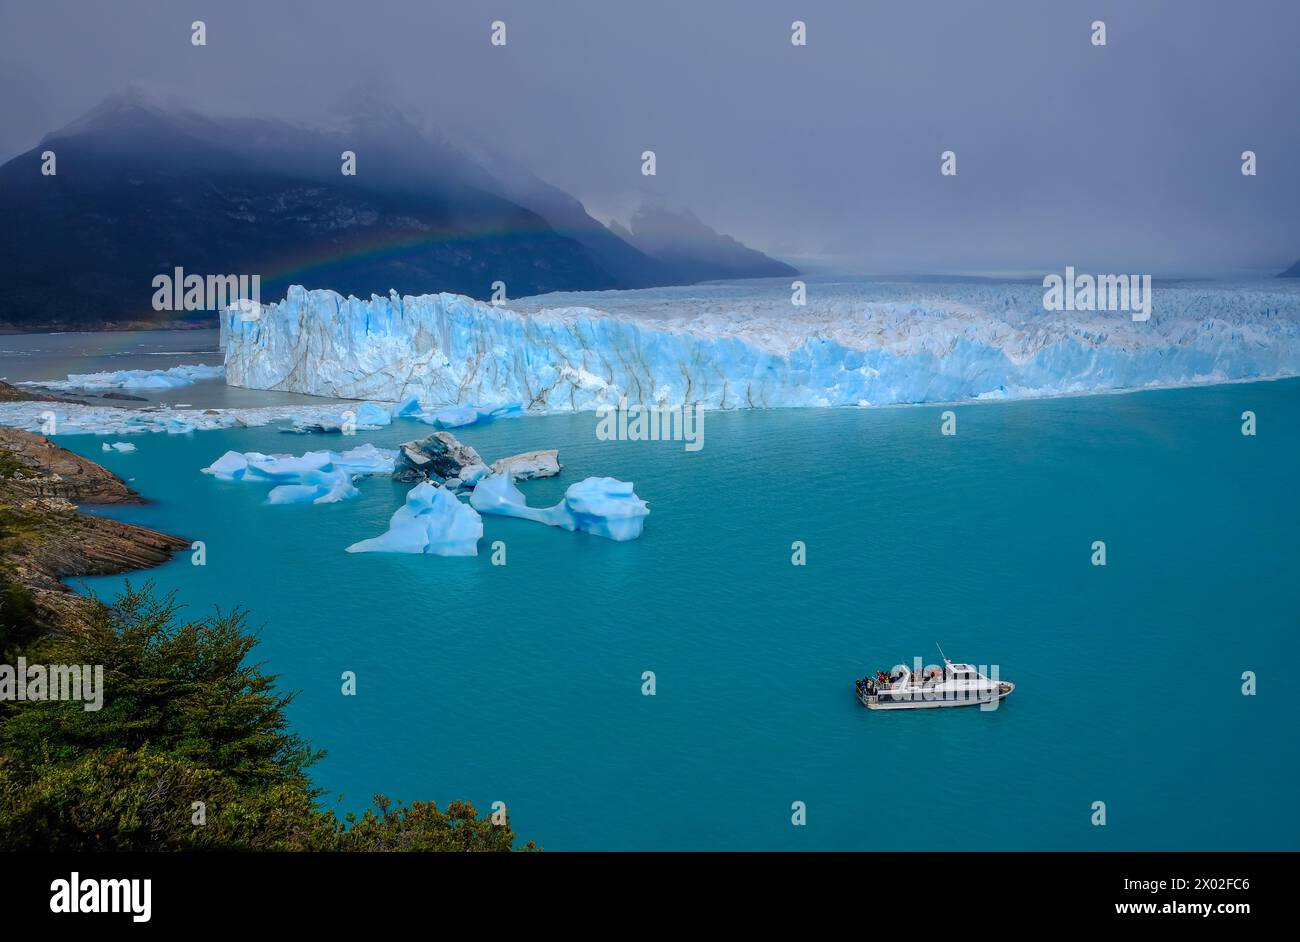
x,y
917,701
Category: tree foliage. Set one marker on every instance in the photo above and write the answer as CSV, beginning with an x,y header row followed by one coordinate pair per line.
x,y
191,751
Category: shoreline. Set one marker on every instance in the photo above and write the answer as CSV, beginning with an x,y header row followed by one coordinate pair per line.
x,y
45,536
52,330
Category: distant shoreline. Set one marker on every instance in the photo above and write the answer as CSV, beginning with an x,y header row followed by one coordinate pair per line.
x,y
13,330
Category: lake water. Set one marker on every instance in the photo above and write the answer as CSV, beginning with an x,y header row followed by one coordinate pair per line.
x,y
523,683
40,358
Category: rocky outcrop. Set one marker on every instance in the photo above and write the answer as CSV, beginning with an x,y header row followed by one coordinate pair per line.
x,y
32,466
58,542
12,393
437,458
45,539
529,465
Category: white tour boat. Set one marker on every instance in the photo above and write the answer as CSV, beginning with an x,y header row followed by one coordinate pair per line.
x,y
952,686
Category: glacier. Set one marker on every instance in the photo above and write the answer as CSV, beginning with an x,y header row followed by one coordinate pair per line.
x,y
853,344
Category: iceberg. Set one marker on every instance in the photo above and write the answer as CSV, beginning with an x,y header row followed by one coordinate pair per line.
x,y
606,507
460,416
318,487
529,465
254,466
455,416
408,406
176,376
853,344
122,447
318,477
368,416
432,521
601,506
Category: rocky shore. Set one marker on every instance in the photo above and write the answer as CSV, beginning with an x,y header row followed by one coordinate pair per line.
x,y
44,538
11,393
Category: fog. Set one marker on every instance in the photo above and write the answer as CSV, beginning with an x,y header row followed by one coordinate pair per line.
x,y
1124,157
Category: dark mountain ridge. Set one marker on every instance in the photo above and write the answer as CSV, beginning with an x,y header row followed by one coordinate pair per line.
x,y
142,189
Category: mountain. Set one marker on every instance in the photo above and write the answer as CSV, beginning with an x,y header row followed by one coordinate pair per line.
x,y
629,266
692,250
143,187
141,190
1292,272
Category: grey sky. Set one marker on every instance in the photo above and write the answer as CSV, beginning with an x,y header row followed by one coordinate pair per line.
x,y
1122,158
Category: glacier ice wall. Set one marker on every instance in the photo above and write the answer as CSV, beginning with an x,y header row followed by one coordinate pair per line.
x,y
853,346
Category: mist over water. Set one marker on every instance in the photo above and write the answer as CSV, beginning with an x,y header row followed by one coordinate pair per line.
x,y
1118,158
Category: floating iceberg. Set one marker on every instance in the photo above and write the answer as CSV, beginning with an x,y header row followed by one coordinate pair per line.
x,y
172,378
367,416
529,465
318,477
410,405
851,345
606,507
123,447
431,521
254,466
459,416
317,487
450,416
601,506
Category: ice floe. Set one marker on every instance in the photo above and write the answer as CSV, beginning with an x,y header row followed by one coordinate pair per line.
x,y
58,418
123,447
172,378
367,415
460,416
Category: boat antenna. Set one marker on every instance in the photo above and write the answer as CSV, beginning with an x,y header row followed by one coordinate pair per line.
x,y
941,654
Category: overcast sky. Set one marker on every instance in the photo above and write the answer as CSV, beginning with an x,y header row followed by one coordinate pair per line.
x,y
1122,158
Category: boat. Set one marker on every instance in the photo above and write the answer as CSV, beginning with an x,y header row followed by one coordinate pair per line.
x,y
953,685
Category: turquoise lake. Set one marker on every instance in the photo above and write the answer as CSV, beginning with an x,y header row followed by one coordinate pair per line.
x,y
522,683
